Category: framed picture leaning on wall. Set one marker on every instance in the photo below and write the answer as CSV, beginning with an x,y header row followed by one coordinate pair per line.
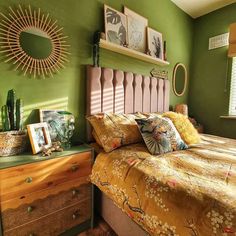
x,y
61,124
137,30
51,117
115,26
155,45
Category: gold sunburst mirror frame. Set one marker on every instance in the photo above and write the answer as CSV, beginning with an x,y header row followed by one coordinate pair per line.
x,y
23,20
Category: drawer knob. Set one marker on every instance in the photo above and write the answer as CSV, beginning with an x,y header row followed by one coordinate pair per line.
x,y
75,215
74,168
75,192
31,234
30,209
29,180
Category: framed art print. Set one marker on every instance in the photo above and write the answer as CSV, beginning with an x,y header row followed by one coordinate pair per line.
x,y
60,123
155,45
115,26
39,136
46,115
137,30
51,117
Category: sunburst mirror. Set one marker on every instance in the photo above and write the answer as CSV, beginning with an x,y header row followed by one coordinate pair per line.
x,y
32,42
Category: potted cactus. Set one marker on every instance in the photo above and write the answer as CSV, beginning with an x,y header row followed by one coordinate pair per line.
x,y
12,137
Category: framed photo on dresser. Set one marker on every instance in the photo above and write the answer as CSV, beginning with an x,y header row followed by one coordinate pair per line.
x,y
39,136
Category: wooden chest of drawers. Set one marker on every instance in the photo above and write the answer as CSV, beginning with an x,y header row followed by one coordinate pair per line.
x,y
47,196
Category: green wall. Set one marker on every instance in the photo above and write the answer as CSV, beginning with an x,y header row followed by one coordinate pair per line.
x,y
80,18
210,75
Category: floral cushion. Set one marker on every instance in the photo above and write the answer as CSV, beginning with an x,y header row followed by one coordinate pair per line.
x,y
149,114
94,134
115,130
185,128
160,135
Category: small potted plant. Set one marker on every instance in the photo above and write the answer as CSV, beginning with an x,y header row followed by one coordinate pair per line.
x,y
12,137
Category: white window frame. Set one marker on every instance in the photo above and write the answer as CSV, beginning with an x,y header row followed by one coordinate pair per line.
x,y
232,100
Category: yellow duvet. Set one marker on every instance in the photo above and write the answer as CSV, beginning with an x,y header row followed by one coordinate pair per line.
x,y
188,193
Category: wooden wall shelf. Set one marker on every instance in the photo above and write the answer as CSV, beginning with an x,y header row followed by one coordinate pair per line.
x,y
131,53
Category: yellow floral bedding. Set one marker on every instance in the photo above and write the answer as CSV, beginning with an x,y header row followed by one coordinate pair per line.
x,y
188,193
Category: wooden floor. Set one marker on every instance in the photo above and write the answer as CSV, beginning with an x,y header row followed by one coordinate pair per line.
x,y
101,229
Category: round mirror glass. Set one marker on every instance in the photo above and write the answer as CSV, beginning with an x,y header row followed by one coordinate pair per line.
x,y
179,79
35,43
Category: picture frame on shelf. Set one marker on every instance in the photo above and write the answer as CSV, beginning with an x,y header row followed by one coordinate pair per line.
x,y
137,30
115,26
155,43
39,137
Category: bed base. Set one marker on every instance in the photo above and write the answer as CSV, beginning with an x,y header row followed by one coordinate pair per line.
x,y
117,219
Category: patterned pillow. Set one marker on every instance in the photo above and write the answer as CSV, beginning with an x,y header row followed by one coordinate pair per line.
x,y
149,114
160,135
185,128
115,130
96,138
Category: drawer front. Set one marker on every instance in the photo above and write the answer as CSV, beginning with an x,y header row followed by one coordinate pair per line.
x,y
28,212
30,178
55,223
31,197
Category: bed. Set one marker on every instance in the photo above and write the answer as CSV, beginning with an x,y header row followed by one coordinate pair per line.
x,y
190,192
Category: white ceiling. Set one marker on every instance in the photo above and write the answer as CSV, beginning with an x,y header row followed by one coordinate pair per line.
x,y
196,8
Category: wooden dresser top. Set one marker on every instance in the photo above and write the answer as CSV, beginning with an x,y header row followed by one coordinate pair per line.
x,y
27,158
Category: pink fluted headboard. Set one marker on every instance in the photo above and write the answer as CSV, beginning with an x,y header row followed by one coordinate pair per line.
x,y
116,91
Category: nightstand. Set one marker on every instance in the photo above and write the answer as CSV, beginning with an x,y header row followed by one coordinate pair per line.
x,y
47,195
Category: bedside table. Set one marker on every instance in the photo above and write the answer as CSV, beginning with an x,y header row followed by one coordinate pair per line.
x,y
47,195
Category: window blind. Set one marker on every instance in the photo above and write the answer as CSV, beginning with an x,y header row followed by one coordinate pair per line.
x,y
232,103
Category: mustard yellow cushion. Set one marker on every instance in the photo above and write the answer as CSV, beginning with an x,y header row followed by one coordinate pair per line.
x,y
185,128
96,138
115,130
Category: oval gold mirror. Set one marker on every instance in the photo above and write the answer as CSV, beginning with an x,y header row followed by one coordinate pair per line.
x,y
180,79
33,42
